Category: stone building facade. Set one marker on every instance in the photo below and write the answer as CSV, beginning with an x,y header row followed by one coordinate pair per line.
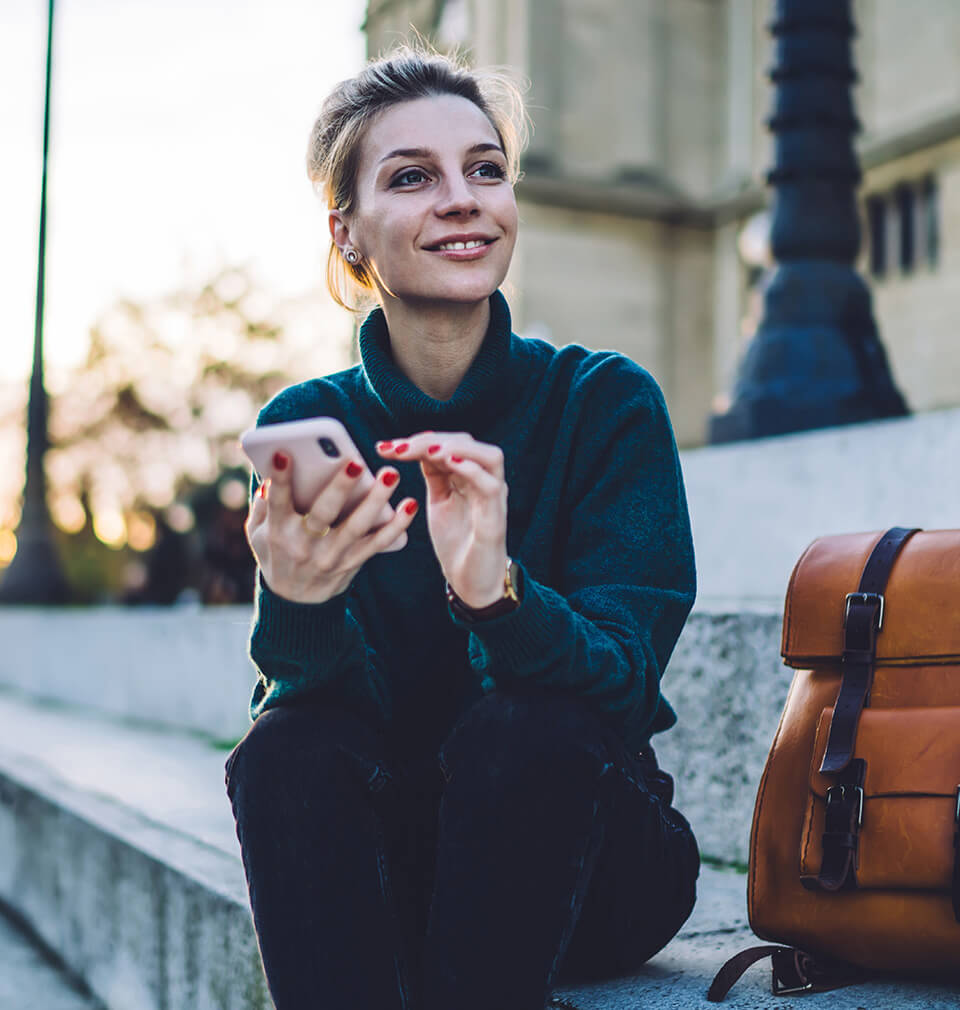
x,y
646,165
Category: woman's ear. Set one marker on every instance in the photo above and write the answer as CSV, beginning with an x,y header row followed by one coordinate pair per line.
x,y
339,230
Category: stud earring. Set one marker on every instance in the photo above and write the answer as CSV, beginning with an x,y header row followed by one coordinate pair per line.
x,y
352,257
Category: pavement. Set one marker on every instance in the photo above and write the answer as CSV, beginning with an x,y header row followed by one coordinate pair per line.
x,y
174,781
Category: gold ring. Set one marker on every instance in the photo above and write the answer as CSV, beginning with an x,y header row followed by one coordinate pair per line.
x,y
313,532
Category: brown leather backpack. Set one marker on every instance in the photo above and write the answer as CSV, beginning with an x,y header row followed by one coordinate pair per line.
x,y
854,858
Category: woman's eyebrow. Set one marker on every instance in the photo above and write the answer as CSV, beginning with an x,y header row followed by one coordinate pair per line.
x,y
425,152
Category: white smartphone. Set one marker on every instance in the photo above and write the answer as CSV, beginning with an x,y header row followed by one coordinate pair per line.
x,y
318,447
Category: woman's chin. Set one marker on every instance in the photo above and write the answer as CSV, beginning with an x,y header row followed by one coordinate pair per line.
x,y
454,295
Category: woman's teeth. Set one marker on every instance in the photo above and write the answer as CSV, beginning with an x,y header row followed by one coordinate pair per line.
x,y
472,244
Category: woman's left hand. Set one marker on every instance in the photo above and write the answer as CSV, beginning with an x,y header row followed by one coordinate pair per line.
x,y
466,508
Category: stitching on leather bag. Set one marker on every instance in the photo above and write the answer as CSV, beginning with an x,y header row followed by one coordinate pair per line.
x,y
804,848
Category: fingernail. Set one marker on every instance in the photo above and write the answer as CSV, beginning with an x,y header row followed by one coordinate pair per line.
x,y
280,460
402,447
411,508
433,448
456,459
384,445
390,479
354,469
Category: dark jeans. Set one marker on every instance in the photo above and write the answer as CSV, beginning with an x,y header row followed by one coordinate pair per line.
x,y
533,849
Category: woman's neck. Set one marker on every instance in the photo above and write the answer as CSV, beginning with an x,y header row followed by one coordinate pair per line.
x,y
434,347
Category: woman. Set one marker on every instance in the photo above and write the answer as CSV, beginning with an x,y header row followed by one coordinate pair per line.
x,y
448,798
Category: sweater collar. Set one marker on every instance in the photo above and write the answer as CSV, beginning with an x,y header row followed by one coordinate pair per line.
x,y
476,398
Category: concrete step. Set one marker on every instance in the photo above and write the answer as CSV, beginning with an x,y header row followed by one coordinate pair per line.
x,y
117,848
29,978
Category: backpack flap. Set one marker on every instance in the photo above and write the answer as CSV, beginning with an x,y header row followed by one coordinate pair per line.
x,y
920,619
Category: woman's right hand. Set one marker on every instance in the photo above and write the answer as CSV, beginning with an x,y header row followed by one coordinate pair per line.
x,y
304,558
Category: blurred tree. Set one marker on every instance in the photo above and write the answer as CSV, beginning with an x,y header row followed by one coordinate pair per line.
x,y
151,417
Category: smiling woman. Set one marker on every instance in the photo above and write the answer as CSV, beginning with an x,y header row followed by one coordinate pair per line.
x,y
343,141
421,213
448,796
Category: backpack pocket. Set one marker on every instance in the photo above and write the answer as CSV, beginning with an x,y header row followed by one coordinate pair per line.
x,y
909,799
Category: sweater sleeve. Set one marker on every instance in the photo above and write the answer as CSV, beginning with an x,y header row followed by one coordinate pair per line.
x,y
626,579
305,650
310,649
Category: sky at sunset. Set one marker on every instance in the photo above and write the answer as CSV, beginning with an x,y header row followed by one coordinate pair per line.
x,y
177,147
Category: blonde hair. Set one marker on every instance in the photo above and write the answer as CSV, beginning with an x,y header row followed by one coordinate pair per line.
x,y
333,153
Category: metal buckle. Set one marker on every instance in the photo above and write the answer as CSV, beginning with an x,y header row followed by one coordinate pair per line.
x,y
786,990
865,598
841,789
796,970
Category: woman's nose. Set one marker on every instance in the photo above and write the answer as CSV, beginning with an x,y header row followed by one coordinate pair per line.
x,y
456,196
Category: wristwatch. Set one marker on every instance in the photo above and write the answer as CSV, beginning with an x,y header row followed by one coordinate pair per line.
x,y
507,603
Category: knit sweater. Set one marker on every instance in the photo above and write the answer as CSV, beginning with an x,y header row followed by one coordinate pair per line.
x,y
596,520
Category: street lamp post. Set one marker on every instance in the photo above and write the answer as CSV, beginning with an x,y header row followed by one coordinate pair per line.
x,y
35,574
816,359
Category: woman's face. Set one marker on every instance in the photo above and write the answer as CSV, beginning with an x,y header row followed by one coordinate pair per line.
x,y
434,217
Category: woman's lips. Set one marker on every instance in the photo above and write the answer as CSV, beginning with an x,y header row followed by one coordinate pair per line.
x,y
467,253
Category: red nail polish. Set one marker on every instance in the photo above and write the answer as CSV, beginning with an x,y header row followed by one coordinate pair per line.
x,y
433,448
280,460
262,490
390,479
456,459
411,508
402,447
354,469
384,445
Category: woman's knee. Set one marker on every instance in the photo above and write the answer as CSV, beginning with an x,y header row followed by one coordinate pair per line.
x,y
292,745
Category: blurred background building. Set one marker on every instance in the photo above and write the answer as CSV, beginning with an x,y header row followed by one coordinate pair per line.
x,y
642,200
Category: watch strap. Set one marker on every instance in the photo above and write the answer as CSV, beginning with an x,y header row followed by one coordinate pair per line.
x,y
507,603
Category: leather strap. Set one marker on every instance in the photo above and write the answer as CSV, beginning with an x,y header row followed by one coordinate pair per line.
x,y
956,860
864,618
841,832
793,971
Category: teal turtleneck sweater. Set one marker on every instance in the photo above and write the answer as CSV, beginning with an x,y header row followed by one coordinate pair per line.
x,y
597,520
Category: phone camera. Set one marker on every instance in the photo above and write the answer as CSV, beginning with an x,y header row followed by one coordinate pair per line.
x,y
328,446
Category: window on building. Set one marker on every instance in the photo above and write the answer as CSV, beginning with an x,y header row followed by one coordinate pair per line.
x,y
877,221
907,221
930,220
904,227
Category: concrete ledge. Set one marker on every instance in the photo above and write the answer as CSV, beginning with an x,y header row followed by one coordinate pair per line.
x,y
151,918
755,506
182,666
728,684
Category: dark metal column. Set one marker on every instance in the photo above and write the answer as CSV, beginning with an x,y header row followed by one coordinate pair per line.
x,y
35,574
816,359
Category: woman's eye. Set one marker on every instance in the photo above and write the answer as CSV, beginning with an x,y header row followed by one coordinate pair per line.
x,y
489,170
411,177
